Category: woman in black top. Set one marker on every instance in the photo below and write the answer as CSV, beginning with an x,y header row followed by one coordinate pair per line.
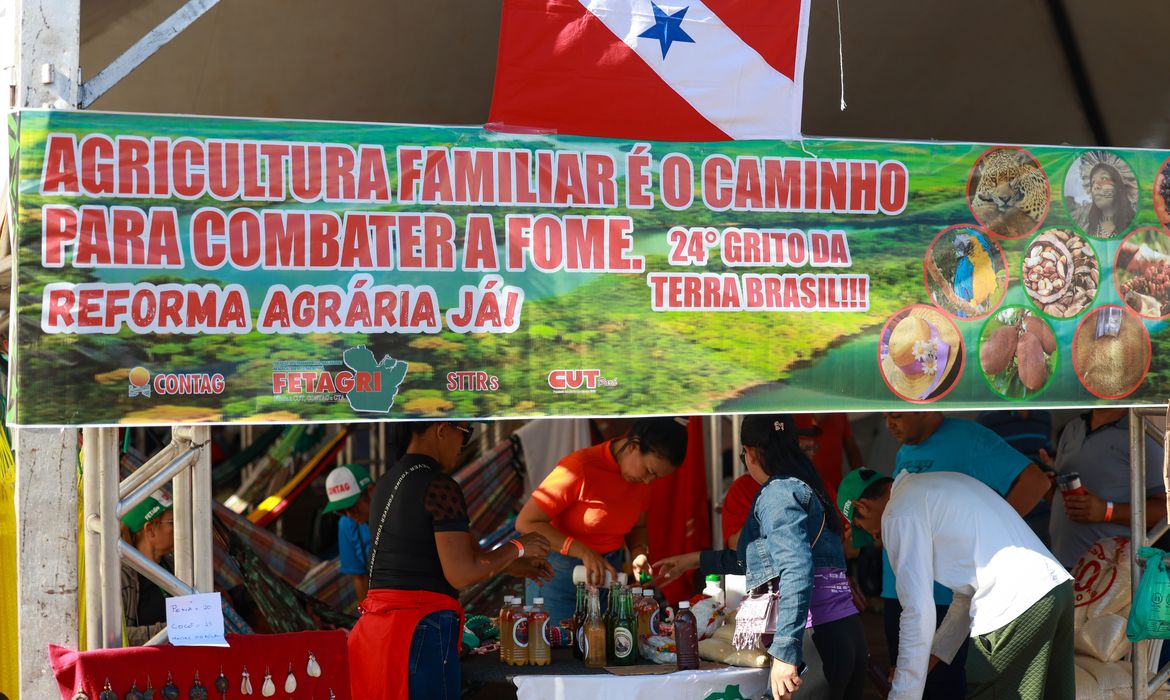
x,y
421,554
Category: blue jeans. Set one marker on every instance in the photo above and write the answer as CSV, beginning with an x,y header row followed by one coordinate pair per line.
x,y
434,657
560,594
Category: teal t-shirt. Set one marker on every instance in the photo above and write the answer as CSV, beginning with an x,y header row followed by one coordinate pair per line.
x,y
962,446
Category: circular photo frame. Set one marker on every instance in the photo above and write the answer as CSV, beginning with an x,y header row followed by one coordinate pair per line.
x,y
1162,195
965,272
1111,352
920,354
1008,192
1060,273
1101,194
1018,353
1141,272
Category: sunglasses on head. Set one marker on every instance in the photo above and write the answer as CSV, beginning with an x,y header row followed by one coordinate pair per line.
x,y
467,431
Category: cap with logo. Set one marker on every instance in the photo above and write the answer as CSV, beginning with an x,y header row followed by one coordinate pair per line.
x,y
155,505
345,485
852,486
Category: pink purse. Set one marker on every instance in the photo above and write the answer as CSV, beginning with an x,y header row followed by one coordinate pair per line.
x,y
755,621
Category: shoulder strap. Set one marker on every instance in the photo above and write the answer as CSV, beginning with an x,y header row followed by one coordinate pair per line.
x,y
382,520
821,531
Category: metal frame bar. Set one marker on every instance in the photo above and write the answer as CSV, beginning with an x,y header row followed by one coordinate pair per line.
x,y
715,476
1139,429
143,49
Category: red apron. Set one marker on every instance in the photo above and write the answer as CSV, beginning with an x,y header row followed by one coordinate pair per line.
x,y
379,645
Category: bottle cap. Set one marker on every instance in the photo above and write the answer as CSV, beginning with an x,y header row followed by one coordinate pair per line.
x,y
684,604
638,591
538,601
648,592
622,578
713,577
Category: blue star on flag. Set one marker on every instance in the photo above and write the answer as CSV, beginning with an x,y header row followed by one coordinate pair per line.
x,y
667,28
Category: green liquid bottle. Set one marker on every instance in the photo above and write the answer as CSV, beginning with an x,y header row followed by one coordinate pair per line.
x,y
579,623
625,632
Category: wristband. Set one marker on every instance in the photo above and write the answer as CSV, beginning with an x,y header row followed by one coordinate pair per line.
x,y
1108,511
565,547
520,547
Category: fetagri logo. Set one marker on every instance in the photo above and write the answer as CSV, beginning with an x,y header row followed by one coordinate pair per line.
x,y
577,381
368,384
143,384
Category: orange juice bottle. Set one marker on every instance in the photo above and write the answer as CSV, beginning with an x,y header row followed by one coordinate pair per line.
x,y
594,633
539,648
505,625
520,635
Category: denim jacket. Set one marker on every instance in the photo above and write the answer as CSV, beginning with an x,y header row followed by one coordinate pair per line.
x,y
777,542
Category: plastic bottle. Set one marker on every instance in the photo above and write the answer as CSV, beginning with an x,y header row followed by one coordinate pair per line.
x,y
625,631
579,623
520,635
539,649
686,638
647,609
594,633
505,625
714,589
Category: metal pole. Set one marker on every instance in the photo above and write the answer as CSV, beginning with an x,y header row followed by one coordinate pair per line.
x,y
1137,530
149,469
91,514
111,567
202,554
183,492
161,478
715,477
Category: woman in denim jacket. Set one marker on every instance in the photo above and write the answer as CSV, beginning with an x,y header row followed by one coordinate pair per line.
x,y
792,540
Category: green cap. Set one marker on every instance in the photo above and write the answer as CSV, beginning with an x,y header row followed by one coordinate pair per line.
x,y
852,486
345,485
155,505
713,577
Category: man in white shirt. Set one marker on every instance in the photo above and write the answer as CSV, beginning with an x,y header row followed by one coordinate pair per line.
x,y
1011,595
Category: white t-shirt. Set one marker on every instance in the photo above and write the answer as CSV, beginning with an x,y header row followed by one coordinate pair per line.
x,y
951,528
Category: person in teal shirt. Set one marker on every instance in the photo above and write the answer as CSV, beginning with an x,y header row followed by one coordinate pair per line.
x,y
932,443
349,489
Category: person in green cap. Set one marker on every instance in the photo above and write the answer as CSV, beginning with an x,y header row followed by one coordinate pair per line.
x,y
1011,596
150,528
349,489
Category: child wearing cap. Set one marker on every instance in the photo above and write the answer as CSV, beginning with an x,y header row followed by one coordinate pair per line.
x,y
349,489
150,527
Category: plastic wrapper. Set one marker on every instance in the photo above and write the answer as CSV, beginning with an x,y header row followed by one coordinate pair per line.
x,y
720,650
658,649
709,614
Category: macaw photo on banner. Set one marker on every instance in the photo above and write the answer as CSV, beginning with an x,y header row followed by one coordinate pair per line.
x,y
196,269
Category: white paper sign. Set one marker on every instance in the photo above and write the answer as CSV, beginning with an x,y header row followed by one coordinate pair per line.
x,y
196,620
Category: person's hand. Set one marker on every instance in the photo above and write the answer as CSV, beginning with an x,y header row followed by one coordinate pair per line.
x,y
1085,508
641,565
672,568
934,661
596,567
785,680
538,570
1046,460
535,545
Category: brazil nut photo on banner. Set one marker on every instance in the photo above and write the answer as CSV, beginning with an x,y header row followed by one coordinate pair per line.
x,y
176,269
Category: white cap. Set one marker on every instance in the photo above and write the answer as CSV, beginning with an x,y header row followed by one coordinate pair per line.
x,y
648,592
622,578
538,601
579,574
684,604
637,591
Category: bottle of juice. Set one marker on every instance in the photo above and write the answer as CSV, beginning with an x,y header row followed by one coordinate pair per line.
x,y
647,609
505,625
625,632
594,633
539,648
579,623
519,634
686,638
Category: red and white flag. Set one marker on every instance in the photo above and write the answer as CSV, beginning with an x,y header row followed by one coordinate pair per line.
x,y
681,70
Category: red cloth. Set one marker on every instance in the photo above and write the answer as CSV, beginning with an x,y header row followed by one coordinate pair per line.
x,y
88,670
561,69
379,646
679,517
737,504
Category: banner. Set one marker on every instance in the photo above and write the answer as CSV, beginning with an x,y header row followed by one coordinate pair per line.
x,y
186,269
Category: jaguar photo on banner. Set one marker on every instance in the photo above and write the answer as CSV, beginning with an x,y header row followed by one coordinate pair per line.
x,y
190,269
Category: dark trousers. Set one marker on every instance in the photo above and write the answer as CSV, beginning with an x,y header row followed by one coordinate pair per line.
x,y
946,681
844,655
434,657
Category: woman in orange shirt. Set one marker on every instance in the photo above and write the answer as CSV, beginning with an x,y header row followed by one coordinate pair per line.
x,y
593,505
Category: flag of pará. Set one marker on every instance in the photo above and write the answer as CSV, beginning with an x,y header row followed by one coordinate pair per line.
x,y
671,70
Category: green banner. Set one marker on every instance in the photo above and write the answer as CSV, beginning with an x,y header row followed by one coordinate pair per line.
x,y
188,269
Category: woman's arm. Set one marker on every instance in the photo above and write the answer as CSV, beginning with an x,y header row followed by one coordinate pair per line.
x,y
784,527
533,519
465,565
638,542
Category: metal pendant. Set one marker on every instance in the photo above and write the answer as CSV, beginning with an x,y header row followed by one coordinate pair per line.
x,y
246,682
290,682
148,694
331,695
314,668
133,693
269,688
221,684
197,692
107,692
170,691
80,695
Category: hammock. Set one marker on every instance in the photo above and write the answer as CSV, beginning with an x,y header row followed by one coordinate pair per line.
x,y
256,484
226,471
271,508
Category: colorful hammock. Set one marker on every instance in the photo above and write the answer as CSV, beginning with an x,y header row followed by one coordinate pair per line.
x,y
229,469
9,631
256,485
272,507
